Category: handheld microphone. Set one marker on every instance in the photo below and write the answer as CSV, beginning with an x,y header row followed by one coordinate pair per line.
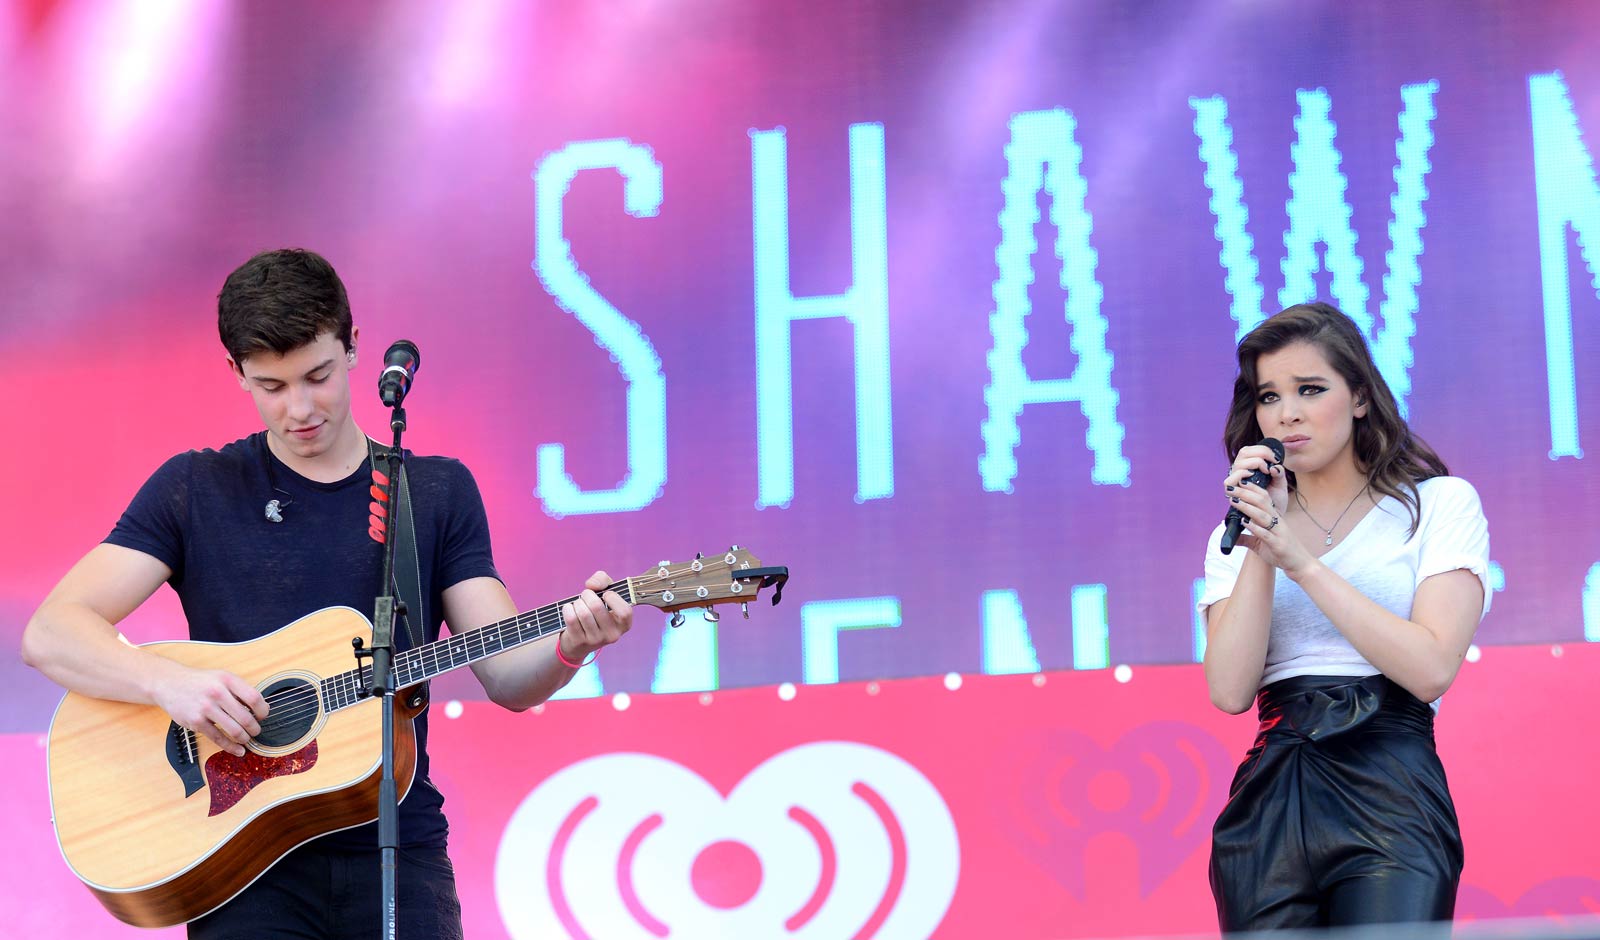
x,y
1234,522
399,368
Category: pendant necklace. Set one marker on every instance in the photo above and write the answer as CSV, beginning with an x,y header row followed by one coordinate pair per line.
x,y
1326,530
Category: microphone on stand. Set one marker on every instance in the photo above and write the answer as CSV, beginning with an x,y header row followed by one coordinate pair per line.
x,y
399,369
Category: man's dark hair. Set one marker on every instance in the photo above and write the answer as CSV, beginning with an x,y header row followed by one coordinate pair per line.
x,y
279,301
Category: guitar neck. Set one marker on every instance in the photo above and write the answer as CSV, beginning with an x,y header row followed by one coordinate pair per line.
x,y
461,649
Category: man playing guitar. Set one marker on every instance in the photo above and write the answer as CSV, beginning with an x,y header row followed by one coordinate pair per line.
x,y
241,573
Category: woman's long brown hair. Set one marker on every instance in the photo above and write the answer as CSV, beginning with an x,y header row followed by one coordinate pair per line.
x,y
1394,459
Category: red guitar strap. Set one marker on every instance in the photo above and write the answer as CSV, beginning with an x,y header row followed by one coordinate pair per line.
x,y
407,568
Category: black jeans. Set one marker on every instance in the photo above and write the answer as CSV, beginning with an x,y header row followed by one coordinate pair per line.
x,y
318,894
1340,813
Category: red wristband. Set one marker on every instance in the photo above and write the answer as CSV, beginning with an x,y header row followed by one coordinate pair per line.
x,y
569,663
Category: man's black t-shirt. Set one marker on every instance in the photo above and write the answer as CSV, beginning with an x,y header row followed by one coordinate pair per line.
x,y
241,576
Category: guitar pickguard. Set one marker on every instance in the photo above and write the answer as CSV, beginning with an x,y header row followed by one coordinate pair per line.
x,y
232,778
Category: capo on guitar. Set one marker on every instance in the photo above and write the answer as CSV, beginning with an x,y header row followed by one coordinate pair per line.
x,y
361,652
773,576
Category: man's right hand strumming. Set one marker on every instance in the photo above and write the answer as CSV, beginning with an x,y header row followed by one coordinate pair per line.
x,y
212,702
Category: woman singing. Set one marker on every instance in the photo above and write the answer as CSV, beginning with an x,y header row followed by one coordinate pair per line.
x,y
1346,618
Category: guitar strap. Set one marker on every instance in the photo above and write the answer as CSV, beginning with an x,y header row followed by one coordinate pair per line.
x,y
407,569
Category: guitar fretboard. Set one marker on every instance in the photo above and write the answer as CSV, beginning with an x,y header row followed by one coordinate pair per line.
x,y
453,652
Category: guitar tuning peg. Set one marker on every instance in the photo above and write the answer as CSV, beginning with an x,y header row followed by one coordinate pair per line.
x,y
677,619
733,548
711,615
745,607
698,556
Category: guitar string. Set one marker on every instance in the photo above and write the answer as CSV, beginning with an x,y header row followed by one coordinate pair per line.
x,y
292,705
305,698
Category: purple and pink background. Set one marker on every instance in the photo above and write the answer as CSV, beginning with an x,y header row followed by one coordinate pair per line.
x,y
147,149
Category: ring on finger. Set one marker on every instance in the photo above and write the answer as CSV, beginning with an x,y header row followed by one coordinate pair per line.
x,y
1274,524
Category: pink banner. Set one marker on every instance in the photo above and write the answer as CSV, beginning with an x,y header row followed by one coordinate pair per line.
x,y
1055,805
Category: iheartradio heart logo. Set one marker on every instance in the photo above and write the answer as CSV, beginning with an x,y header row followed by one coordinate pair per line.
x,y
1557,898
1161,786
825,840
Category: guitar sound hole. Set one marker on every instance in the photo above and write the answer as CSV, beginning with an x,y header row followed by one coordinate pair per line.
x,y
293,707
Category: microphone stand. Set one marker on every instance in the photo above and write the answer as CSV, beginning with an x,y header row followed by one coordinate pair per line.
x,y
387,606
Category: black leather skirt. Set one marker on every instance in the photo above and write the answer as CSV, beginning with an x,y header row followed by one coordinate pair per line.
x,y
1340,813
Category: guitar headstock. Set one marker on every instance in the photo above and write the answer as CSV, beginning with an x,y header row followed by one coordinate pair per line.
x,y
734,577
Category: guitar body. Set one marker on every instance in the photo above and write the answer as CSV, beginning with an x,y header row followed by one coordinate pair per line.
x,y
163,826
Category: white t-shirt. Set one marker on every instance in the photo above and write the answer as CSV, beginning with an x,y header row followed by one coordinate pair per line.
x,y
1379,561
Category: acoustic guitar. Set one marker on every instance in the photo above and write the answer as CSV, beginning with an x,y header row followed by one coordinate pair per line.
x,y
163,826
